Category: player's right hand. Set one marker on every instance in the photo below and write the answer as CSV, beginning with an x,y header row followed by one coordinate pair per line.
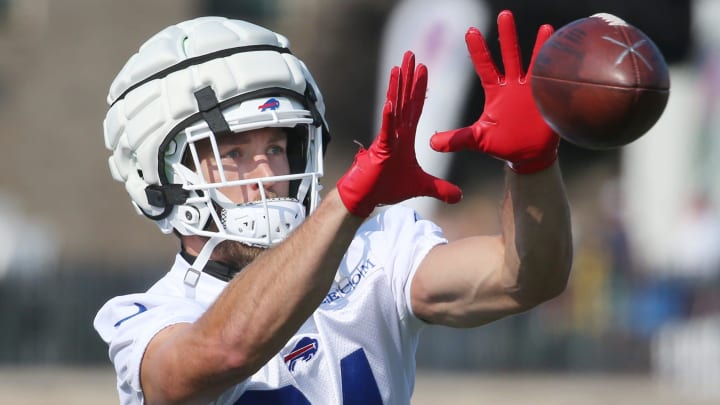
x,y
388,171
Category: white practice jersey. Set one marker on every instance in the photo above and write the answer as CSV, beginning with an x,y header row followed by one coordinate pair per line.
x,y
358,346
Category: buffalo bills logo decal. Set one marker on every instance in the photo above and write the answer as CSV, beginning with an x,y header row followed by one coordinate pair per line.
x,y
304,350
270,104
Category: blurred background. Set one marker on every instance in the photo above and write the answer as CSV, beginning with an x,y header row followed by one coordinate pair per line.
x,y
639,322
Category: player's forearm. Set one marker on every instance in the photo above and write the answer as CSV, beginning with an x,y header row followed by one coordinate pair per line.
x,y
537,235
287,283
269,300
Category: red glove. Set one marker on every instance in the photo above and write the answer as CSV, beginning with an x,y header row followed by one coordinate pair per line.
x,y
388,172
510,127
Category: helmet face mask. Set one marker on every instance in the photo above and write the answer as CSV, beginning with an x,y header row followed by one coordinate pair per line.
x,y
263,222
189,85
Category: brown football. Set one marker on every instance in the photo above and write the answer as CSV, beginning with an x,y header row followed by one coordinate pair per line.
x,y
600,82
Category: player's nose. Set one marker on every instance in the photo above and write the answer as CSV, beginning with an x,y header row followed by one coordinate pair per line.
x,y
261,169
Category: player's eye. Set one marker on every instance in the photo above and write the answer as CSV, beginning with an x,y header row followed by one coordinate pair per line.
x,y
276,150
231,154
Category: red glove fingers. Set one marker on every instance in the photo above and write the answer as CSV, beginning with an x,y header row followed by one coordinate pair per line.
x,y
509,47
388,171
510,127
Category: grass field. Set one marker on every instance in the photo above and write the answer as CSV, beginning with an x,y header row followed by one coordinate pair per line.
x,y
96,386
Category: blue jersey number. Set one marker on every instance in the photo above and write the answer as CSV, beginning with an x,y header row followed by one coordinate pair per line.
x,y
358,386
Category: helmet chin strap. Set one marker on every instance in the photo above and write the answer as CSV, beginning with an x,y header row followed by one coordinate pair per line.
x,y
192,275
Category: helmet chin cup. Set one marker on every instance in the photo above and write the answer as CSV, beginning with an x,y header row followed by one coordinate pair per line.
x,y
263,223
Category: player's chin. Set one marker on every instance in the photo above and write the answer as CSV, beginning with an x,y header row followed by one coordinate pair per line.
x,y
237,253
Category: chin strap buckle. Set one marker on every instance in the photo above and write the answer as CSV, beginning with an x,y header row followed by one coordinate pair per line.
x,y
192,275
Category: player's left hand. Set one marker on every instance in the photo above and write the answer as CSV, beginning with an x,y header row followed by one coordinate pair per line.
x,y
510,127
388,172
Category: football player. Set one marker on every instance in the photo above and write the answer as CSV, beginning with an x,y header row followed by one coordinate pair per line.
x,y
218,133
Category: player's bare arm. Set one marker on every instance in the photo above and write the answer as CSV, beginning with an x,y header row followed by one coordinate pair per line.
x,y
477,280
282,287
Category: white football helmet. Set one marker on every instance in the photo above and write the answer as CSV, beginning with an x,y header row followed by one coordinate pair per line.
x,y
197,80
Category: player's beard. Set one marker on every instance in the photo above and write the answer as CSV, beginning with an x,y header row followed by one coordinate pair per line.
x,y
237,254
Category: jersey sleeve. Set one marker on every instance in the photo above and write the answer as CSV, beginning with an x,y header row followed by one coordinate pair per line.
x,y
410,238
128,323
